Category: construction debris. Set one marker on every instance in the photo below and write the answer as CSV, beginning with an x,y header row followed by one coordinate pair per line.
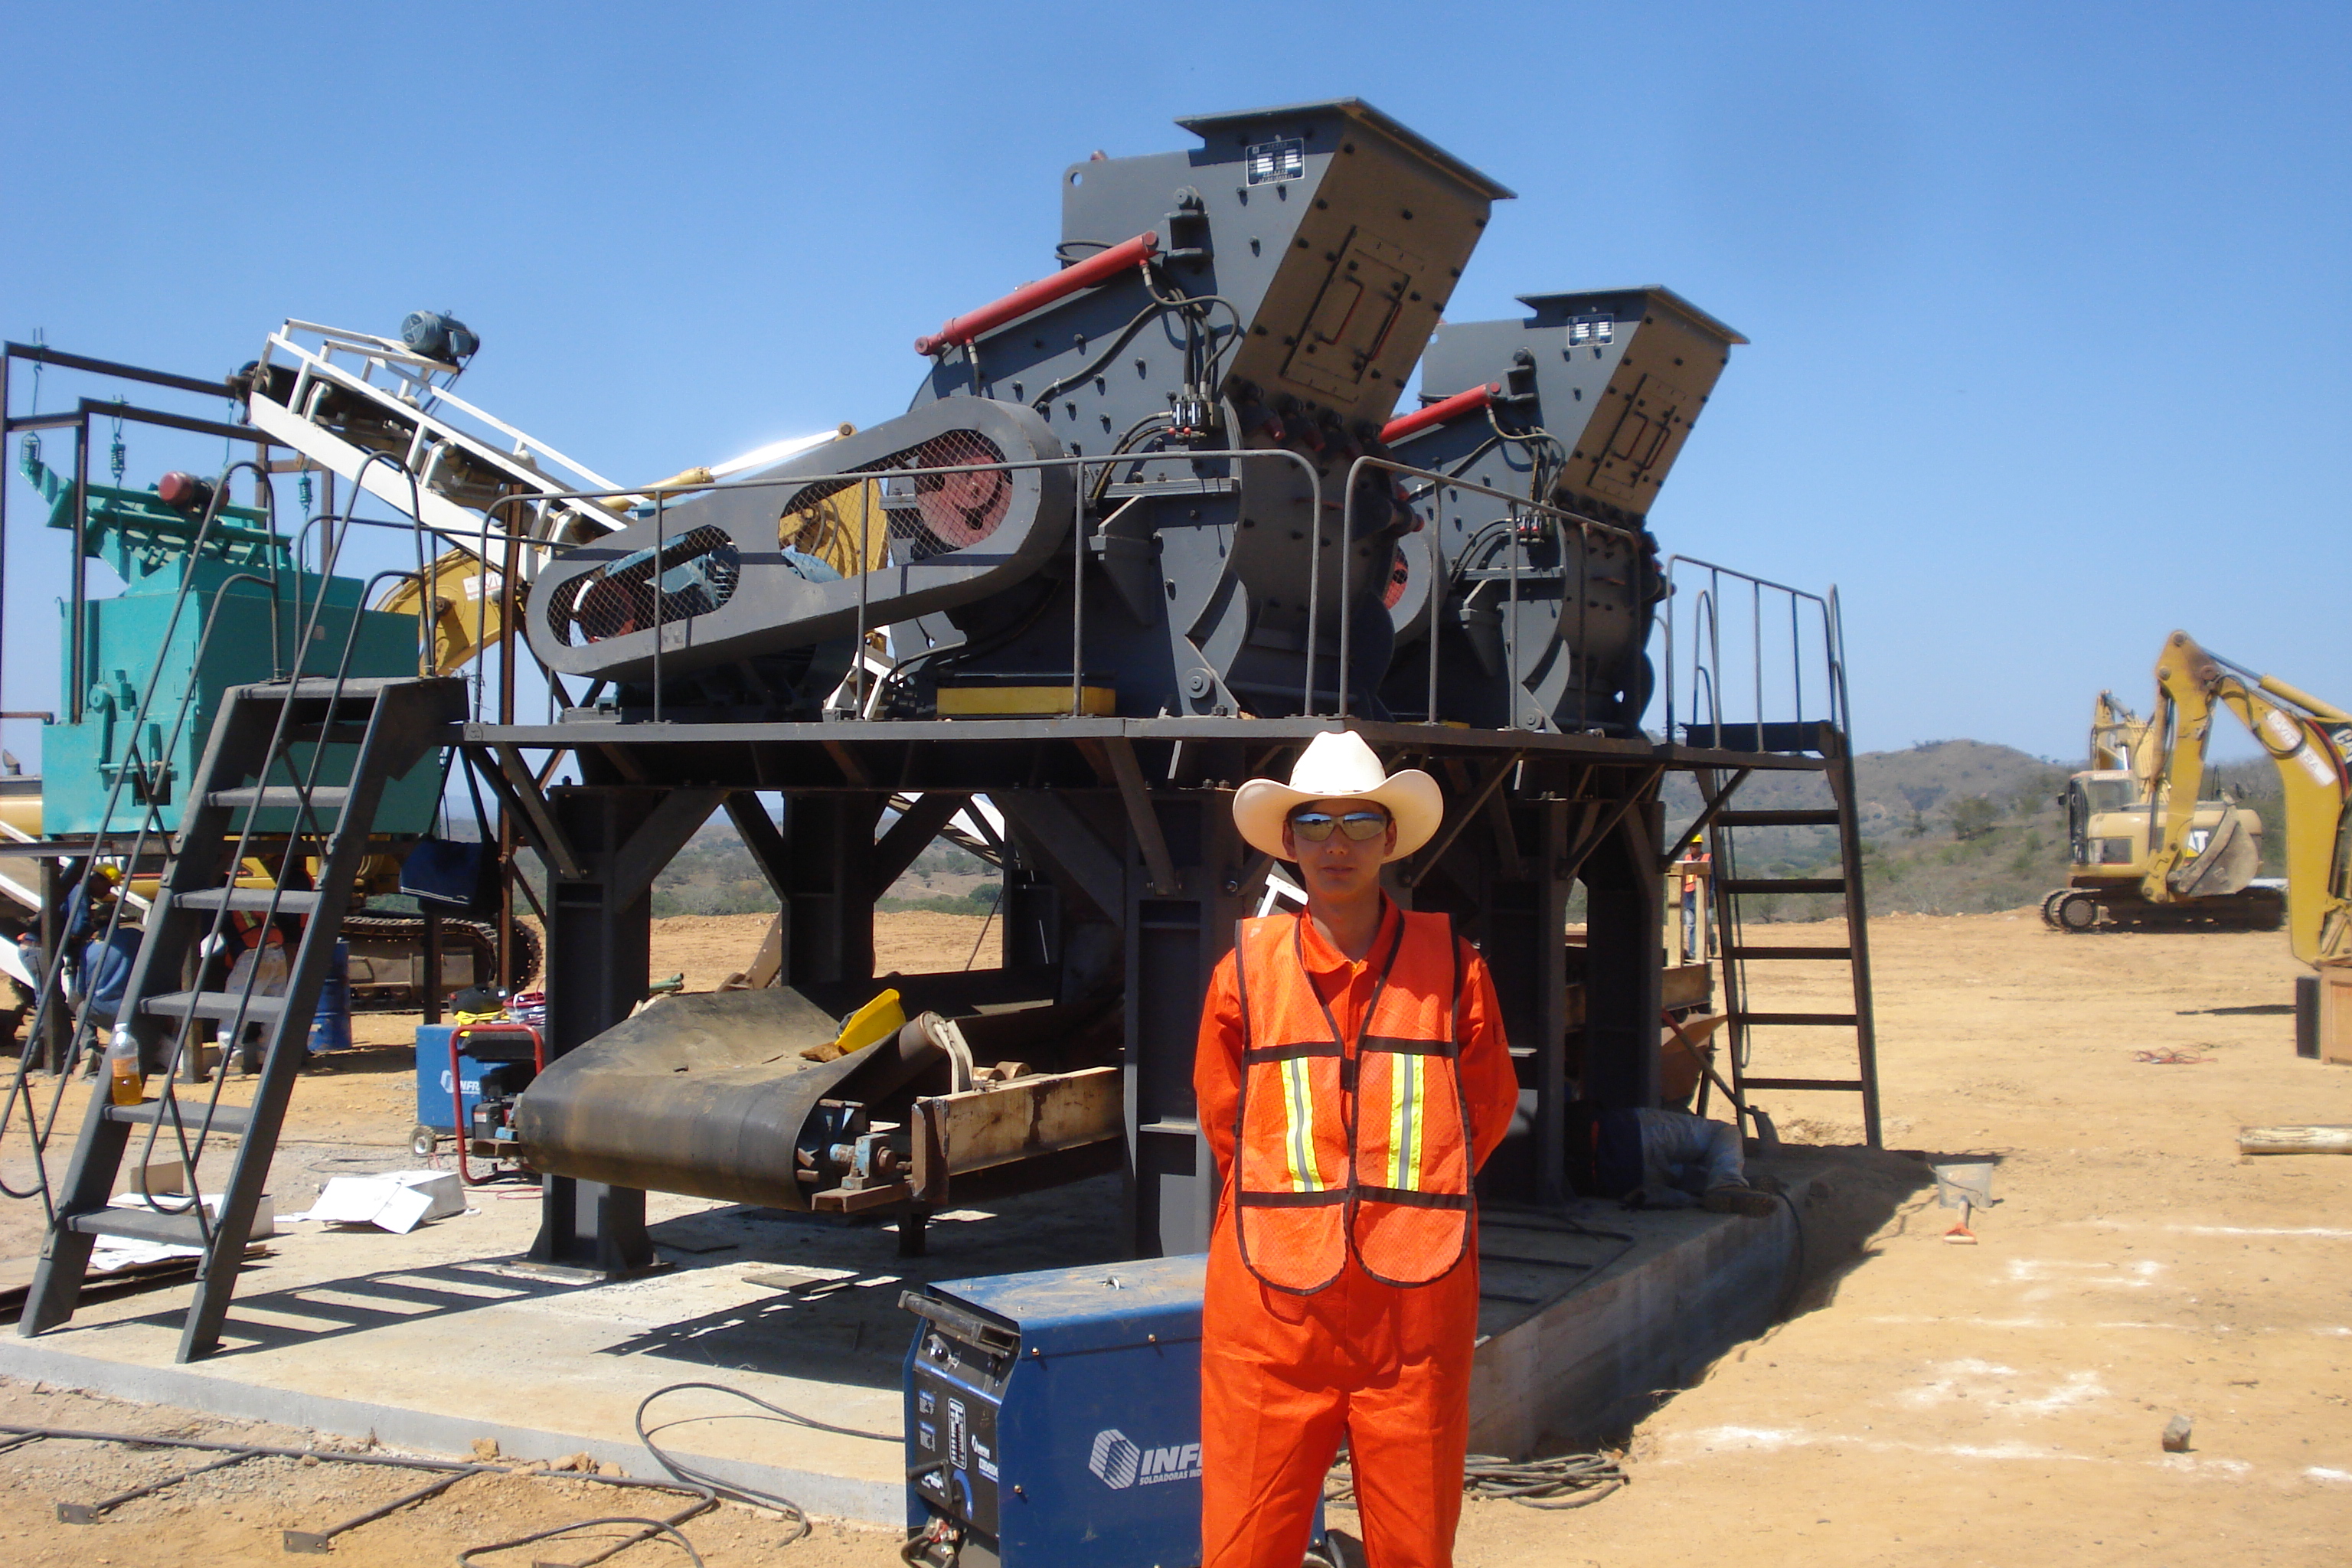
x,y
2335,1139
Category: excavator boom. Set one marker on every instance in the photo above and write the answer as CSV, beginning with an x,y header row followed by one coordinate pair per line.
x,y
2305,740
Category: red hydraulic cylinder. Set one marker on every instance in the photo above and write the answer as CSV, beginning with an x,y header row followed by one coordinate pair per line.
x,y
1096,268
1438,413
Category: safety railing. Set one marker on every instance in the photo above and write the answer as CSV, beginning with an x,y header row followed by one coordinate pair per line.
x,y
145,837
887,543
1503,550
1524,523
1780,668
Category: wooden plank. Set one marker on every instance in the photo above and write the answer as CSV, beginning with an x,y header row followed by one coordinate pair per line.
x,y
2321,1140
998,1123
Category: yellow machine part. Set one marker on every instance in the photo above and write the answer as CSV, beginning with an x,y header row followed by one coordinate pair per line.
x,y
467,616
21,814
848,531
877,1020
1023,701
2294,729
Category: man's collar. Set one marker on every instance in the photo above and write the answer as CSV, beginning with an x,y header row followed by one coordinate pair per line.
x,y
1322,958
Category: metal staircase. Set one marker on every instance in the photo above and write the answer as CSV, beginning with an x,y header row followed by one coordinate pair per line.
x,y
1748,1013
257,786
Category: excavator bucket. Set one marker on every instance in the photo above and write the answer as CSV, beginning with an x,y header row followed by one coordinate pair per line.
x,y
2229,862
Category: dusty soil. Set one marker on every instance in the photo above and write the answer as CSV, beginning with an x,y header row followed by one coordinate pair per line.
x,y
1935,1404
708,948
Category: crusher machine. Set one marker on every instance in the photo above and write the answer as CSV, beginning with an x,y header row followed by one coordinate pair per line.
x,y
1150,524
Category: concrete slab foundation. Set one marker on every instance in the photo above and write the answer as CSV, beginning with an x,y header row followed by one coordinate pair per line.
x,y
432,1339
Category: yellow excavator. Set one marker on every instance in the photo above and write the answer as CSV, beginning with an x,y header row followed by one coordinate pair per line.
x,y
2115,833
2307,741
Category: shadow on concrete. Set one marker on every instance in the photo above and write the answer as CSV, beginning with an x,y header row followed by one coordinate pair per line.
x,y
831,1331
834,1315
330,1309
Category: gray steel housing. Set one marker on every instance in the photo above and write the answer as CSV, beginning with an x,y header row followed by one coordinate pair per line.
x,y
1544,625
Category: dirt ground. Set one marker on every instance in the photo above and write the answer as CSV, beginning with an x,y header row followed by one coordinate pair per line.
x,y
1935,1405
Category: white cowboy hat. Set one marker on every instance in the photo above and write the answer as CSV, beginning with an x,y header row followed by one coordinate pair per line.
x,y
1338,766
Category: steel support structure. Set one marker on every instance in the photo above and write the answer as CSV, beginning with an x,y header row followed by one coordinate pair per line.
x,y
1121,866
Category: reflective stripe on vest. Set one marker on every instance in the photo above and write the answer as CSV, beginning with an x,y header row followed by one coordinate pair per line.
x,y
1340,1151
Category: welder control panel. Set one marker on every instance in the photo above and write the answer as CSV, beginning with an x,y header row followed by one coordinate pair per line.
x,y
961,1365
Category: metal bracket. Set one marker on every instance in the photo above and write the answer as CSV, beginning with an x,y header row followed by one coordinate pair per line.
x,y
908,836
658,840
1573,861
1426,861
1141,818
513,783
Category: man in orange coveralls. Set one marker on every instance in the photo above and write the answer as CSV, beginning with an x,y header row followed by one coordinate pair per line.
x,y
1352,1076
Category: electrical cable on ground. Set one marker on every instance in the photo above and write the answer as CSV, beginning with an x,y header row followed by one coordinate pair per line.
x,y
654,1529
1558,1482
706,1490
712,1486
1563,1480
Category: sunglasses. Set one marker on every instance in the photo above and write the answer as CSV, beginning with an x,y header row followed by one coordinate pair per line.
x,y
1315,827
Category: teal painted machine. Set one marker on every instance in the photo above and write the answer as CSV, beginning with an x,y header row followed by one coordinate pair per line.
x,y
244,604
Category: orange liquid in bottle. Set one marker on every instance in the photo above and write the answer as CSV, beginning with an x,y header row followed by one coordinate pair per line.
x,y
128,1083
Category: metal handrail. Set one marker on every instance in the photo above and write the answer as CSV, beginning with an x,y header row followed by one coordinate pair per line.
x,y
52,990
1707,666
661,496
1521,507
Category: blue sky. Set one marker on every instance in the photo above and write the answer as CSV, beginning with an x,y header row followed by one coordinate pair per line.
x,y
2049,303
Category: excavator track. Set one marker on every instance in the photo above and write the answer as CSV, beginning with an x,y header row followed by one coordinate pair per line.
x,y
388,952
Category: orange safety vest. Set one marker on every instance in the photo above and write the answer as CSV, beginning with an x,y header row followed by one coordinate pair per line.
x,y
1339,1152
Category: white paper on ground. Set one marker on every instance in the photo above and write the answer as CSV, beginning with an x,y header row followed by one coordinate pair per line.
x,y
112,1253
396,1201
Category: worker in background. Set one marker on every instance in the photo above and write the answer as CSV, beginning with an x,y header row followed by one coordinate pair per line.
x,y
259,969
1662,1160
1352,1076
107,947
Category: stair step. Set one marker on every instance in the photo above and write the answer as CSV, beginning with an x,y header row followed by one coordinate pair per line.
x,y
281,797
248,901
1838,1085
1841,955
1782,884
224,1007
140,1224
1822,817
232,1119
1823,1020
1749,736
364,688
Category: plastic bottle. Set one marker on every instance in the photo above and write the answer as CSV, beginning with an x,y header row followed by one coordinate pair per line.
x,y
124,1081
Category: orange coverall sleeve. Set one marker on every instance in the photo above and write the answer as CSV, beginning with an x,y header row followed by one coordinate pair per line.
x,y
1217,1065
1490,1084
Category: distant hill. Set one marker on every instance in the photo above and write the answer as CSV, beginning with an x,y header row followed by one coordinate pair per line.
x,y
1949,827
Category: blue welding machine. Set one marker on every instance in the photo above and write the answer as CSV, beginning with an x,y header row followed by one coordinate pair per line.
x,y
494,1066
1054,1418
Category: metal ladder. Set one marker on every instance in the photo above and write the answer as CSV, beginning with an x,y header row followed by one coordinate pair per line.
x,y
1740,948
266,737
